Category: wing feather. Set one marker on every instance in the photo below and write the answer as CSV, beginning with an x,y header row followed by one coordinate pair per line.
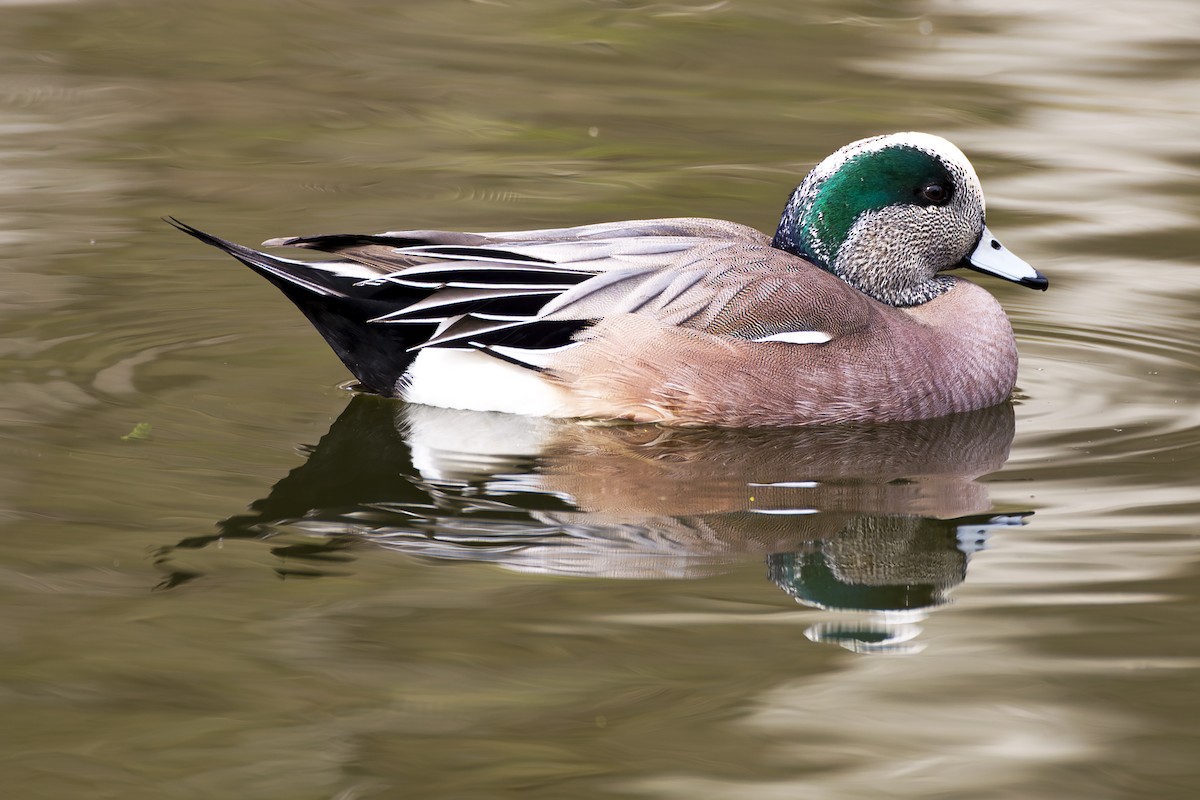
x,y
531,289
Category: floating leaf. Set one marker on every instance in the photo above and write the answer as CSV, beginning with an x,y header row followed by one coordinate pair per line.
x,y
140,432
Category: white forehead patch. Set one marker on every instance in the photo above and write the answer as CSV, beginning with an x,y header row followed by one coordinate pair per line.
x,y
926,142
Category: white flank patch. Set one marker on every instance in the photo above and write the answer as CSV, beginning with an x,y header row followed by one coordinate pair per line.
x,y
797,337
475,381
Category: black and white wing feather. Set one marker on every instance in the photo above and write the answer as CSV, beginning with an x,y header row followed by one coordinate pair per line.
x,y
382,298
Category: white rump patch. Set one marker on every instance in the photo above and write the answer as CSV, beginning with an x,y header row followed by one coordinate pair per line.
x,y
475,381
797,337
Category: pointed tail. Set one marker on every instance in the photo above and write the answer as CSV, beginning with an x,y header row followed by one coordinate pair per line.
x,y
338,304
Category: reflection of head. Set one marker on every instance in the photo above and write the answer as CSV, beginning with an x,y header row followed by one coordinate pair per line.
x,y
885,563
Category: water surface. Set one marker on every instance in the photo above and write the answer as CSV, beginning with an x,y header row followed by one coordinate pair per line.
x,y
224,575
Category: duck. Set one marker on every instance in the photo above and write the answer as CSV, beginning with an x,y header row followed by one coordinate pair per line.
x,y
847,314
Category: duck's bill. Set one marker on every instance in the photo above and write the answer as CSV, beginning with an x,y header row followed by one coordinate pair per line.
x,y
995,259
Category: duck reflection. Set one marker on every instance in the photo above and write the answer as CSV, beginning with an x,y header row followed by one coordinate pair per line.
x,y
871,518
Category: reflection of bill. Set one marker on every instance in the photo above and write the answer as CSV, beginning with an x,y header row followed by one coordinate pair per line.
x,y
865,518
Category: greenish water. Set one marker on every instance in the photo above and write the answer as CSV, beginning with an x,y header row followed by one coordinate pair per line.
x,y
223,575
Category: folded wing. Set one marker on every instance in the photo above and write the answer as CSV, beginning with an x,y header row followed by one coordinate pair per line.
x,y
384,297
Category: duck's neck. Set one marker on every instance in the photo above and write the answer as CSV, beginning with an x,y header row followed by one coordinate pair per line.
x,y
872,274
870,268
794,235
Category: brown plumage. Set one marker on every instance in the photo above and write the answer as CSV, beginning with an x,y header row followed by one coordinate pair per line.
x,y
955,353
845,315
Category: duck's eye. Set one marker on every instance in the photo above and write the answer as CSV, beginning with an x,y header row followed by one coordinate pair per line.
x,y
934,193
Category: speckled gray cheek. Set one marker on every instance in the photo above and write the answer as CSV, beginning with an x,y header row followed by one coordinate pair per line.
x,y
894,254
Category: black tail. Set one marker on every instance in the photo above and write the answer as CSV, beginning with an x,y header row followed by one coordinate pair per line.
x,y
340,307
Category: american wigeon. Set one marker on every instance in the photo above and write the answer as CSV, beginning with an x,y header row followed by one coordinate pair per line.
x,y
846,314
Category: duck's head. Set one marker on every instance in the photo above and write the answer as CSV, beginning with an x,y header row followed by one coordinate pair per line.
x,y
889,213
